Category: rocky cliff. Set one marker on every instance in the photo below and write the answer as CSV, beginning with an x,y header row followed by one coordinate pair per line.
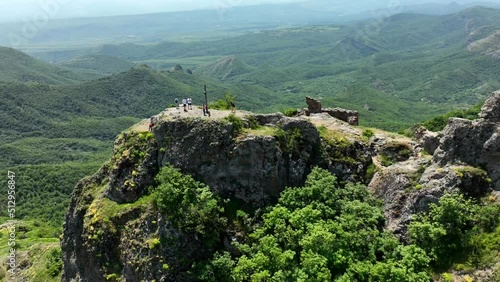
x,y
112,224
114,230
464,157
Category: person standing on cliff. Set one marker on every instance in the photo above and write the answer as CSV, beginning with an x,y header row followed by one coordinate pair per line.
x,y
151,123
190,103
184,104
233,108
176,102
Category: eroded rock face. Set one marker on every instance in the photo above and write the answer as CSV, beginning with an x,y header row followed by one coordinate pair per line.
x,y
407,191
135,165
428,139
254,169
466,158
475,143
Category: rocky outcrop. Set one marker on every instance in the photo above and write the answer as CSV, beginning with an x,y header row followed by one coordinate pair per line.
x,y
314,107
491,109
429,140
111,233
113,229
475,143
252,168
407,189
466,159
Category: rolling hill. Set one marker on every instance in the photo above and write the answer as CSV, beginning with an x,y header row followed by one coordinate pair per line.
x,y
19,67
98,64
428,63
225,68
48,129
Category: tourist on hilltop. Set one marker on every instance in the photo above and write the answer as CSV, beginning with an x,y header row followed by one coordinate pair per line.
x,y
233,108
184,104
151,123
190,103
176,102
204,109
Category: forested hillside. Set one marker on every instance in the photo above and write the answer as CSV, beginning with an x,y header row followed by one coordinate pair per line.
x,y
416,65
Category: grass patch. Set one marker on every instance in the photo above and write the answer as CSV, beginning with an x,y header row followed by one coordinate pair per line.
x,y
261,131
334,138
385,160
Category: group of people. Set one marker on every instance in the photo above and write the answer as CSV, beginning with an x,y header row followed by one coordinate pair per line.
x,y
187,104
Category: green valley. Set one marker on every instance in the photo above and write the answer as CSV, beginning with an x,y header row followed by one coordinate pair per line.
x,y
76,86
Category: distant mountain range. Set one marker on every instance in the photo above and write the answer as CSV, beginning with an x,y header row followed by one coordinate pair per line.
x,y
220,21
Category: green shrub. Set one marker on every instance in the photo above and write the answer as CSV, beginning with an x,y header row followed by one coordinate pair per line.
x,y
218,269
236,122
290,140
439,123
447,277
368,133
188,204
455,229
322,231
370,172
54,262
385,160
291,112
253,123
223,104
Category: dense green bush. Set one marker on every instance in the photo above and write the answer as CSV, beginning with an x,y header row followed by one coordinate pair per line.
x,y
188,204
439,123
236,122
448,230
290,112
322,232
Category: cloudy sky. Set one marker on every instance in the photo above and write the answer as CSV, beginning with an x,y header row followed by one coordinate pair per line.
x,y
21,9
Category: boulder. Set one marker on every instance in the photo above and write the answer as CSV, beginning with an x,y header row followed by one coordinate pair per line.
x,y
491,108
428,140
348,116
474,143
313,105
